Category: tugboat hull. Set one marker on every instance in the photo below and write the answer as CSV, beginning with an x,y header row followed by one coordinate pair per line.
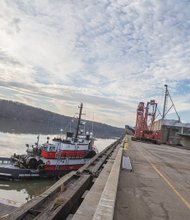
x,y
9,171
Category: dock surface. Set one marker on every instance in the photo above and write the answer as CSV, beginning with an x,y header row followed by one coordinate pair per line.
x,y
159,185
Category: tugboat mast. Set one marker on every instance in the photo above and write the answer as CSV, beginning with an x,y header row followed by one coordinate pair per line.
x,y
79,120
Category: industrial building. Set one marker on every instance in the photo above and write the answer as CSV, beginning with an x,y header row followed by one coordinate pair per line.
x,y
173,132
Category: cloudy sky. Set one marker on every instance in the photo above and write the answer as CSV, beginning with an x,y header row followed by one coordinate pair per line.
x,y
108,54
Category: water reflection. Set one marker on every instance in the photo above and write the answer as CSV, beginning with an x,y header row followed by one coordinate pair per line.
x,y
16,193
16,143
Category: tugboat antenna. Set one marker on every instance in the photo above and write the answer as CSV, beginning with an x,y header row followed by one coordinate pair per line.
x,y
38,138
93,123
79,120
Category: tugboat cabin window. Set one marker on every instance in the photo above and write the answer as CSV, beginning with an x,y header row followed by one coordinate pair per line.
x,y
51,148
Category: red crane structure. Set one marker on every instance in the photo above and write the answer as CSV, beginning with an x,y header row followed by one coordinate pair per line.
x,y
147,129
145,121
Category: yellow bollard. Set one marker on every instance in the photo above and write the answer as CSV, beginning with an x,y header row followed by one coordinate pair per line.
x,y
125,145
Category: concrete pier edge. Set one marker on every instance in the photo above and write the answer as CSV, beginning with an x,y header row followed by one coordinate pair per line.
x,y
105,208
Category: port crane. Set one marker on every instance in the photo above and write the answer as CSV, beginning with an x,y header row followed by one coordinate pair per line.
x,y
144,122
145,119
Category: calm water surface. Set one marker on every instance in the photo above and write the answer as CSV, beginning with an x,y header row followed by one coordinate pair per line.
x,y
17,193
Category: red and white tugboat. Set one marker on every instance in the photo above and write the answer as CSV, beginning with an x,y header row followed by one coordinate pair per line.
x,y
51,159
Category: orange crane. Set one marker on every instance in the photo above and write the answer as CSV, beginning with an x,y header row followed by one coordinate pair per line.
x,y
144,122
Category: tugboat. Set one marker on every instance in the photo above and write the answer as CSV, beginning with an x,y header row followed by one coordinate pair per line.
x,y
52,159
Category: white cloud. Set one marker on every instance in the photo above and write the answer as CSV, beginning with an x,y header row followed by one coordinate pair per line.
x,y
109,54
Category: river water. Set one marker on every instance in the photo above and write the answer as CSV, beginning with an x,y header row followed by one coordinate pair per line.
x,y
19,192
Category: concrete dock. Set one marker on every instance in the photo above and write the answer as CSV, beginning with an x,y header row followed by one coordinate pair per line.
x,y
159,185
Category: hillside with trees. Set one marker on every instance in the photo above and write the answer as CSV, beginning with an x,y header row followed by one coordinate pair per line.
x,y
16,117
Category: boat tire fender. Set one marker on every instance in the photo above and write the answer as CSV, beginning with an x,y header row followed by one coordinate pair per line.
x,y
48,162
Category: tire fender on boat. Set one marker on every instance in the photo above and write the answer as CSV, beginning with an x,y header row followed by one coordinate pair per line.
x,y
48,162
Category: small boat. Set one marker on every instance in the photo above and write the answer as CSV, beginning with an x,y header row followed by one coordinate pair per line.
x,y
51,159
